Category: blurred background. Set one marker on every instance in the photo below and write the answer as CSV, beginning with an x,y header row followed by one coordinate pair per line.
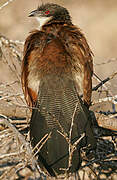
x,y
96,18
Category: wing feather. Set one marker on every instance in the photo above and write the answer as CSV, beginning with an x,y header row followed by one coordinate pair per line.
x,y
35,41
82,62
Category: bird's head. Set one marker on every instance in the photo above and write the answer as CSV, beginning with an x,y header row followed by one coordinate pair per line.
x,y
50,12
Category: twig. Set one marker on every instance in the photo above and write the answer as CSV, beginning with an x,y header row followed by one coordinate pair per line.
x,y
103,81
20,121
5,135
8,84
63,133
11,50
107,122
18,135
25,144
11,154
46,137
10,172
70,134
111,99
12,46
12,95
17,42
73,148
5,4
72,122
106,62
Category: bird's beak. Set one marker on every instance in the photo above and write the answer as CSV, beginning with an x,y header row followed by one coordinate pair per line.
x,y
34,13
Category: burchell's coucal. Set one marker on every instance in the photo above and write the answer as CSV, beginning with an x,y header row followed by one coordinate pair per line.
x,y
57,66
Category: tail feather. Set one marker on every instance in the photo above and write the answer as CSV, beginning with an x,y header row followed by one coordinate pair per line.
x,y
55,107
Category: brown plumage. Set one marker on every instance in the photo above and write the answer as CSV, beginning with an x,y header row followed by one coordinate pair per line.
x,y
57,67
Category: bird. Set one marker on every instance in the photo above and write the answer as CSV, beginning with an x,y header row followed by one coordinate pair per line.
x,y
57,68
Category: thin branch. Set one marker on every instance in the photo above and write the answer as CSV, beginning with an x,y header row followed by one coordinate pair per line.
x,y
18,135
17,42
12,46
8,84
73,148
11,154
112,99
106,62
5,4
72,122
11,95
63,133
70,134
103,81
25,144
46,137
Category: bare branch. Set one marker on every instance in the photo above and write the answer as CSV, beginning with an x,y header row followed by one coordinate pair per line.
x,y
11,95
106,62
70,135
10,154
5,4
112,99
73,148
44,139
103,81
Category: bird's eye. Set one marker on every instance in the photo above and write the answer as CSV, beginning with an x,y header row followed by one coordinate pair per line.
x,y
47,12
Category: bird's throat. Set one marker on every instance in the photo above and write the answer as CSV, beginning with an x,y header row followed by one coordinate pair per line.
x,y
43,20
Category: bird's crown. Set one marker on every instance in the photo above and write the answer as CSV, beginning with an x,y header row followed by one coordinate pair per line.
x,y
51,12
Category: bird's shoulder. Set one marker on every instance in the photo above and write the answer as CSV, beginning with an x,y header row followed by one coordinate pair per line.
x,y
41,40
82,58
76,43
34,39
